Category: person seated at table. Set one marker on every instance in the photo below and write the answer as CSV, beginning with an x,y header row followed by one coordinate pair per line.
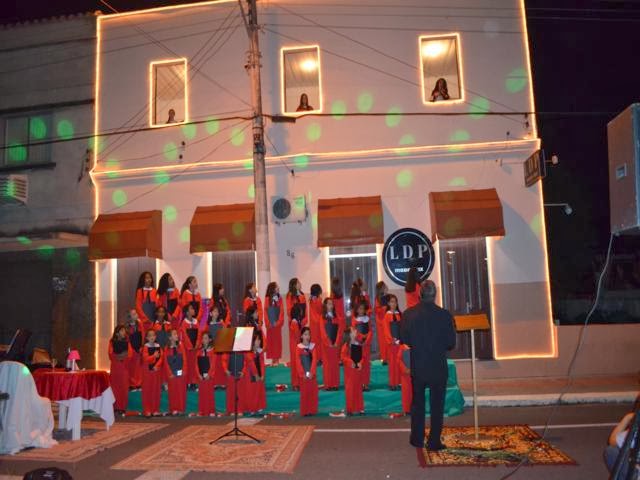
x,y
152,360
206,363
120,353
177,368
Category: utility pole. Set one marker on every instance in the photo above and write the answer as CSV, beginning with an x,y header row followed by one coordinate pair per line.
x,y
259,176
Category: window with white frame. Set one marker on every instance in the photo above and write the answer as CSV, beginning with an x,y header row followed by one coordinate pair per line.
x,y
302,90
22,135
168,102
441,68
350,263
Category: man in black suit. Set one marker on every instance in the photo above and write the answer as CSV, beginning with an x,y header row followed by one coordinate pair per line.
x,y
428,330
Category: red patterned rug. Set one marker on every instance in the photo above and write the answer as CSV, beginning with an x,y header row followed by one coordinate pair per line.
x,y
279,450
504,445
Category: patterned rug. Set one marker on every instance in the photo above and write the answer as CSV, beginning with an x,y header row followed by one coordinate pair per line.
x,y
279,450
505,445
95,438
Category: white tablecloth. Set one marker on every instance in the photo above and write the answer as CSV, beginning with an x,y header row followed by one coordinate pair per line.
x,y
70,414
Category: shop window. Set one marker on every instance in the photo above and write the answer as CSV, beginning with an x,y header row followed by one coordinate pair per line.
x,y
302,90
441,68
168,102
21,136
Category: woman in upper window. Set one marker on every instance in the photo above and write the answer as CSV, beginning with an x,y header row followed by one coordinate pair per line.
x,y
440,91
304,104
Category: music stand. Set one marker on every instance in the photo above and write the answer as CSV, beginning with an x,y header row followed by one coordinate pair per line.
x,y
234,340
472,323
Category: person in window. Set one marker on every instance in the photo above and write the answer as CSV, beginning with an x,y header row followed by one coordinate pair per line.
x,y
304,104
440,92
172,116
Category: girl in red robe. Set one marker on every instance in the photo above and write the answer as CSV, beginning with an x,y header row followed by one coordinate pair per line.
x,y
257,389
251,299
168,296
240,366
331,346
120,352
177,369
352,361
189,295
213,325
136,335
379,311
362,323
412,288
189,334
337,295
146,299
297,308
315,316
391,331
206,363
274,318
162,326
218,299
404,364
306,360
151,375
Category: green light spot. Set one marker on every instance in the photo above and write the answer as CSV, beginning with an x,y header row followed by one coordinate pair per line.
x,y
10,189
223,245
301,161
338,109
458,182
479,107
536,225
248,164
24,240
161,177
314,221
251,191
237,137
119,198
460,136
65,129
25,371
375,220
404,178
516,80
170,151
113,239
314,132
189,131
406,141
237,228
72,256
365,102
452,226
394,115
184,235
91,143
212,126
45,251
111,165
170,213
37,128
17,152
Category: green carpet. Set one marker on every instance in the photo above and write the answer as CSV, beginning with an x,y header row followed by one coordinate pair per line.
x,y
378,401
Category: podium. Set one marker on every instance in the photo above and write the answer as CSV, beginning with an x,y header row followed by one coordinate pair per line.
x,y
472,323
234,340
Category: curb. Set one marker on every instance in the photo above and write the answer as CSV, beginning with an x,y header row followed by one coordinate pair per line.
x,y
551,399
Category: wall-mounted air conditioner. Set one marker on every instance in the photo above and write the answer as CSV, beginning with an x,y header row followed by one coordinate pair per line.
x,y
14,189
289,209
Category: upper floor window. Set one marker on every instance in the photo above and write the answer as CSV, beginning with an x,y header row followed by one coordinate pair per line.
x,y
441,68
300,71
168,92
22,135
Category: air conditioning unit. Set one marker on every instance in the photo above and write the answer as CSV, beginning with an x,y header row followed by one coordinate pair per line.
x,y
14,189
289,209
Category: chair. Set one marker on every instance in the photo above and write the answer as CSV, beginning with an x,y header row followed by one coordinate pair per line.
x,y
15,350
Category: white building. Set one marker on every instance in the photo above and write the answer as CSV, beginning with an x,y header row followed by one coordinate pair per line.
x,y
366,58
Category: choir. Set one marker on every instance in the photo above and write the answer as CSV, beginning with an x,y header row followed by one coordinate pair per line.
x,y
167,341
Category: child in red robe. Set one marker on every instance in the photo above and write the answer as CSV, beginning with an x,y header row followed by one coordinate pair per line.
x,y
218,299
214,324
238,366
315,316
274,319
412,288
152,360
362,323
206,363
331,347
352,361
391,331
404,363
168,296
379,311
136,334
251,299
177,369
120,352
257,388
297,307
146,299
189,334
337,295
189,295
306,367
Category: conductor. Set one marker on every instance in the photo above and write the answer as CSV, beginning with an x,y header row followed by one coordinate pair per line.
x,y
428,330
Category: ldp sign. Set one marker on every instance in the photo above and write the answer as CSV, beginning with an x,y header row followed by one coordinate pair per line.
x,y
406,248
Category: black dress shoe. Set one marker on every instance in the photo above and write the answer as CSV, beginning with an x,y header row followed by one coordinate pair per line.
x,y
436,447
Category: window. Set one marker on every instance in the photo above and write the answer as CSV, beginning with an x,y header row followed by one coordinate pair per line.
x,y
441,68
168,93
302,90
349,263
465,289
20,134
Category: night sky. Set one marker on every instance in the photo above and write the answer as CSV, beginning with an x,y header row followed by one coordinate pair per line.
x,y
585,59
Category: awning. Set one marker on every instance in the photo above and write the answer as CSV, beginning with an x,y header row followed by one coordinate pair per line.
x,y
121,235
222,228
465,214
344,222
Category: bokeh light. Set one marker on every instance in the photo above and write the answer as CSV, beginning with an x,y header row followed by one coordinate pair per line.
x,y
17,152
458,182
212,126
112,165
237,228
460,135
113,238
301,161
190,131
479,107
314,221
119,198
338,109
170,151
24,240
365,102
96,142
404,178
536,225
237,137
37,128
72,257
10,189
314,132
248,164
251,191
161,177
45,251
516,80
65,129
375,220
169,213
393,117
184,234
223,245
405,141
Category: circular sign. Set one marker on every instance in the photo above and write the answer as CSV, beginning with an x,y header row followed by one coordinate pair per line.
x,y
406,248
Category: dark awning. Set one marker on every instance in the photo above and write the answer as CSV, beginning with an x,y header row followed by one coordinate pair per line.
x,y
122,235
221,228
344,222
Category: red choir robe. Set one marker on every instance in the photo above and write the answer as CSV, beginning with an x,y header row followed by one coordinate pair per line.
x,y
306,367
136,335
257,303
379,312
223,309
257,388
315,323
120,354
362,298
188,297
190,338
365,339
274,319
331,354
177,372
146,302
341,317
412,298
206,364
170,300
295,325
219,377
391,332
247,368
352,381
404,364
151,378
